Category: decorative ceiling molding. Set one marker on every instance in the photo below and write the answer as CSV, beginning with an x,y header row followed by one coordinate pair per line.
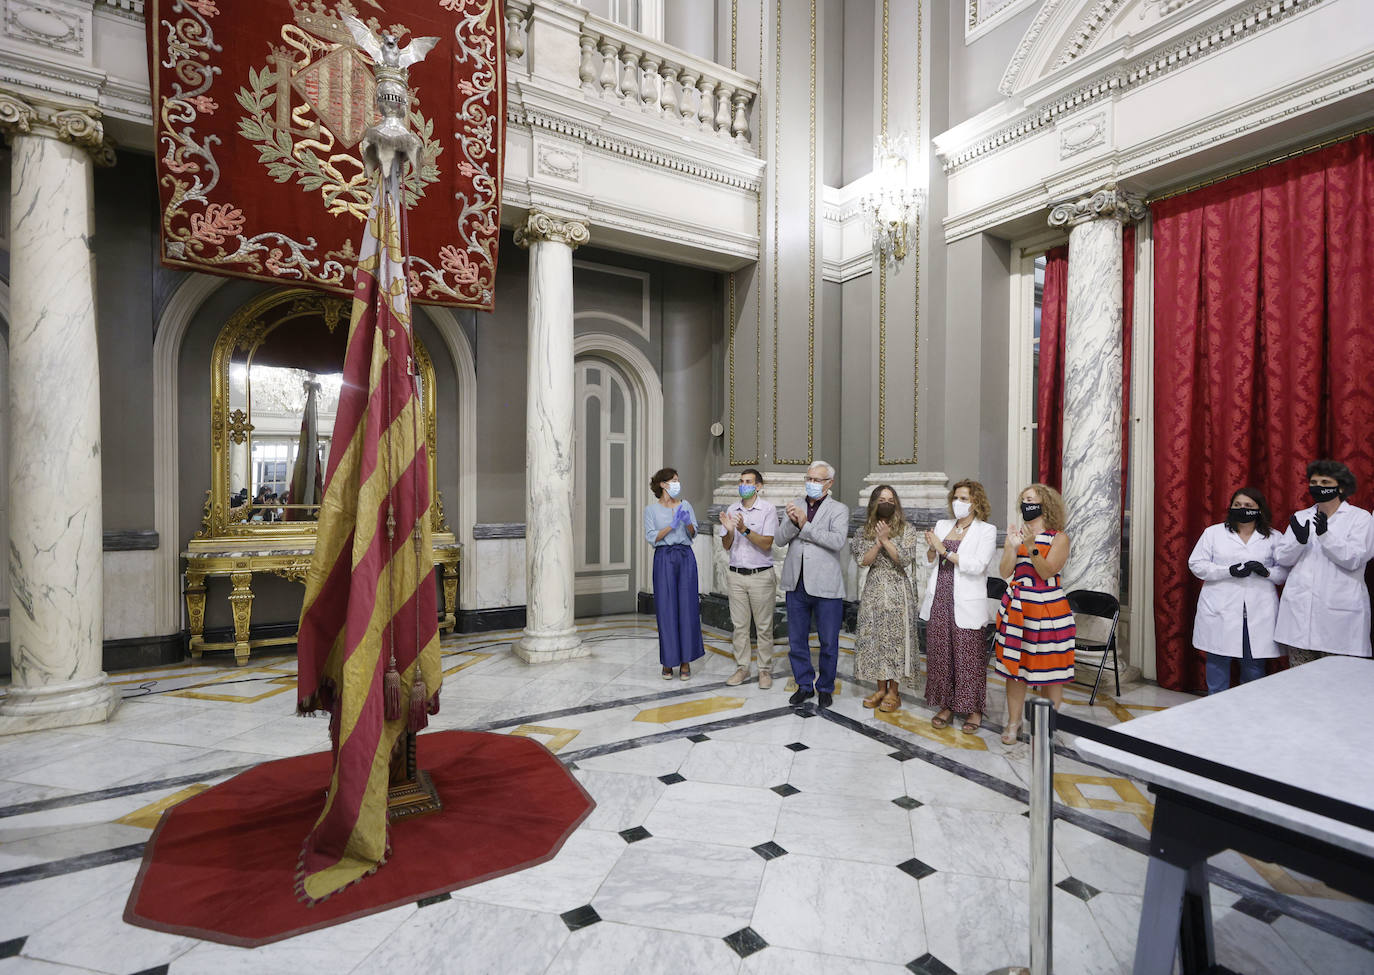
x,y
1118,75
981,16
1064,30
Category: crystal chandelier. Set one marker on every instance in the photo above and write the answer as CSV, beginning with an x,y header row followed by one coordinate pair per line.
x,y
893,203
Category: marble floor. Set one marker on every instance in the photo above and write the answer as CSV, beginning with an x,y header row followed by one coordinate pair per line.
x,y
732,833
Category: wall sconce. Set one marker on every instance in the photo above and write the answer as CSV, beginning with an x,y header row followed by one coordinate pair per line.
x,y
893,203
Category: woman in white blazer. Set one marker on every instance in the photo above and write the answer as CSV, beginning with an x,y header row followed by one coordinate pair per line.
x,y
955,607
1325,605
1238,565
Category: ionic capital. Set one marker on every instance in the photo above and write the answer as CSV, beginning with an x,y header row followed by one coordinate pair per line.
x,y
78,125
1108,203
539,226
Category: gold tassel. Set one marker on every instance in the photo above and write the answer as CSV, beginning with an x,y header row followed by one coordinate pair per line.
x,y
391,693
419,715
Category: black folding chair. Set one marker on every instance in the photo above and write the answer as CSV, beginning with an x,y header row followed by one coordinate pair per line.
x,y
1095,615
996,589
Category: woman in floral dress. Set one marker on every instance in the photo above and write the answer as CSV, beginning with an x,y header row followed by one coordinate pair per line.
x,y
885,647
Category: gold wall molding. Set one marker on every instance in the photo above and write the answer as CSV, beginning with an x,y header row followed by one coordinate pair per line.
x,y
883,459
811,247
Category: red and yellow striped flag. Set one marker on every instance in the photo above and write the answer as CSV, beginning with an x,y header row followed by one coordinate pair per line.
x,y
369,641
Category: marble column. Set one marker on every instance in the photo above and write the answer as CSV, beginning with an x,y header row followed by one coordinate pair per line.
x,y
549,566
56,609
1092,385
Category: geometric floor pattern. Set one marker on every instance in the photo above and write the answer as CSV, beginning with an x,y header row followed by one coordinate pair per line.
x,y
732,833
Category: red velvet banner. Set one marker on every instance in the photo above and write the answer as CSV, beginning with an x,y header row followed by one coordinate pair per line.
x,y
259,108
1263,312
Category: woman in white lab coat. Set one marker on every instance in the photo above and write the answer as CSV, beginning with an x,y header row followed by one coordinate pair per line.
x,y
1239,570
1325,605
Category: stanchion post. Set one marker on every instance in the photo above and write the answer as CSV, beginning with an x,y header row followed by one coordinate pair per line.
x,y
1041,718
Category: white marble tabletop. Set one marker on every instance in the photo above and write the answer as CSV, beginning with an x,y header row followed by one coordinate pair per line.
x,y
1309,726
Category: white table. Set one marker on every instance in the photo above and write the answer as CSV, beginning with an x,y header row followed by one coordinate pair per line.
x,y
1308,727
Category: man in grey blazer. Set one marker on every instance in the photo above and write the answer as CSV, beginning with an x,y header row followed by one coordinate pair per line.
x,y
816,533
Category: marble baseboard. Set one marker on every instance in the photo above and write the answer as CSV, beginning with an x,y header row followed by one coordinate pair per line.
x,y
495,618
136,653
499,530
144,540
14,724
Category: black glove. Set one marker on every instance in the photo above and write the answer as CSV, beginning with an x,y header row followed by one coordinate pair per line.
x,y
1257,568
1319,519
1300,530
1240,570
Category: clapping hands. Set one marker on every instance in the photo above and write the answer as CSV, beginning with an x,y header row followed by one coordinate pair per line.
x,y
1301,530
882,531
681,517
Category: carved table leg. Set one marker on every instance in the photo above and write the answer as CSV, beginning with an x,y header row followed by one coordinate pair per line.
x,y
195,610
450,573
241,601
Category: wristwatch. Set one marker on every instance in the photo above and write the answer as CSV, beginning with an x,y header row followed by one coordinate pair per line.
x,y
744,531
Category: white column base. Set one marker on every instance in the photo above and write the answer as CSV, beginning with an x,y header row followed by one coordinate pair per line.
x,y
543,648
57,706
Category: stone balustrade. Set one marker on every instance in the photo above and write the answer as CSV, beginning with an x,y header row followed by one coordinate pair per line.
x,y
633,72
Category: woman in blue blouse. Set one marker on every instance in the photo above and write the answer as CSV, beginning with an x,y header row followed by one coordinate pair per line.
x,y
669,526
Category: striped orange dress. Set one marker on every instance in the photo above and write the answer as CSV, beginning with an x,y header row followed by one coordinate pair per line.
x,y
1035,630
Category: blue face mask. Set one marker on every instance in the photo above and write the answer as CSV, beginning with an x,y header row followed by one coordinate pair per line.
x,y
747,490
814,490
674,488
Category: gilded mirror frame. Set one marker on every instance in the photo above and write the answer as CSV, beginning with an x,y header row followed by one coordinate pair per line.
x,y
244,332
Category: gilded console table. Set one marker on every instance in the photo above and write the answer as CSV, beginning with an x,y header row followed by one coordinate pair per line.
x,y
239,563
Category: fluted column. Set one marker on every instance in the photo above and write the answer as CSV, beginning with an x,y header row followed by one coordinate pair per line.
x,y
1092,385
549,567
56,609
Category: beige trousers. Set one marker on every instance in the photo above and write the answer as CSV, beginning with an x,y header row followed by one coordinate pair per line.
x,y
753,597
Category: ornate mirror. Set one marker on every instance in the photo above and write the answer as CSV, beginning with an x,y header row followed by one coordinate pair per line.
x,y
275,375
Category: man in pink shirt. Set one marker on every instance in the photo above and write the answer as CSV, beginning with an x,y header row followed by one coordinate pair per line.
x,y
748,527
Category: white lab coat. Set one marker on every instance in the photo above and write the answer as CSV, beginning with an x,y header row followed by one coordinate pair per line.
x,y
1325,605
970,575
1225,600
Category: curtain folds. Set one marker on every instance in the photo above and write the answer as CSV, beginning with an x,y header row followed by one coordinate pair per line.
x,y
1264,348
1049,391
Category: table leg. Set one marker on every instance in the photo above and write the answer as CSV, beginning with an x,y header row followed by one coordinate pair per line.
x,y
241,601
450,573
195,610
1176,907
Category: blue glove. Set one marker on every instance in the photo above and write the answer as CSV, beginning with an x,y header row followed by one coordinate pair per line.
x,y
681,518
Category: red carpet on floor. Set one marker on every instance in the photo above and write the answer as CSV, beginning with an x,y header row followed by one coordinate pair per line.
x,y
221,866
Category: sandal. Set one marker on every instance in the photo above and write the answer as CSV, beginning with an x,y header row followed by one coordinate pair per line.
x,y
876,698
667,673
1010,732
971,727
891,702
938,722
685,672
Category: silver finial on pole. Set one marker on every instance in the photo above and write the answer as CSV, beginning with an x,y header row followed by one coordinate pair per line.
x,y
390,140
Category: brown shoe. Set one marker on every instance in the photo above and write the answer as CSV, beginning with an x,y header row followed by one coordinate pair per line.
x,y
874,699
765,679
891,702
738,677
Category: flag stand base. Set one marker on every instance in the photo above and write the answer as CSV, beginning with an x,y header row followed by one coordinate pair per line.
x,y
411,792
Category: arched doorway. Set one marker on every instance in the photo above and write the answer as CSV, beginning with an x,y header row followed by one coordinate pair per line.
x,y
605,499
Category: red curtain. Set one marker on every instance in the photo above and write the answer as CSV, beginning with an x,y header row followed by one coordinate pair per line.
x,y
1049,392
1264,349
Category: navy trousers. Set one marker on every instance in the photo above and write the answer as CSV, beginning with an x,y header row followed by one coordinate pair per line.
x,y
802,609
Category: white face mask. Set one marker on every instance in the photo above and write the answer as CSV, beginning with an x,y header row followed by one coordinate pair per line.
x,y
674,488
961,508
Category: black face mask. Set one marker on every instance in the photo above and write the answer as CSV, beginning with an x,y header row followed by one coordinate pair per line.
x,y
1322,493
885,509
1242,516
1030,512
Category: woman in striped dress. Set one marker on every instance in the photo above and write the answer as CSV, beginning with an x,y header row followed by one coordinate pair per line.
x,y
1035,629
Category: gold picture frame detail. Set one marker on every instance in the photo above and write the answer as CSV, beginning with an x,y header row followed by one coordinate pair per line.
x,y
245,331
